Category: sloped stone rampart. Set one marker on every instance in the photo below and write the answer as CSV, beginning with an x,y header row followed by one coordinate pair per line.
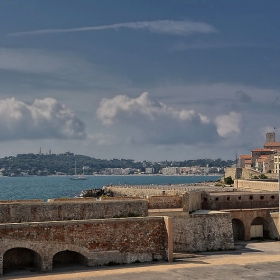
x,y
202,232
82,210
100,241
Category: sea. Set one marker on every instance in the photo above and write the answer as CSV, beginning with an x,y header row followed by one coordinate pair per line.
x,y
47,187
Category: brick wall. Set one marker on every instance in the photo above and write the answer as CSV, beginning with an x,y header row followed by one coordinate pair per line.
x,y
99,241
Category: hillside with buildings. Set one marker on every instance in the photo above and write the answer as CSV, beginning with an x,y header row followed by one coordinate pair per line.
x,y
261,163
64,164
264,160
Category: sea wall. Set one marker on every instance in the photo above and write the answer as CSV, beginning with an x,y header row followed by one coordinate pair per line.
x,y
144,191
103,198
257,185
98,242
148,190
60,211
21,201
202,232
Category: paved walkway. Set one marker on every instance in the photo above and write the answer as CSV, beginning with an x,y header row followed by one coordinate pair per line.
x,y
250,260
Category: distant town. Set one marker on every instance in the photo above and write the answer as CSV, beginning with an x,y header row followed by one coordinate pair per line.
x,y
265,160
69,163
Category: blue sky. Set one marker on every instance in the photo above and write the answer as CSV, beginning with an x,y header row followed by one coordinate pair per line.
x,y
147,80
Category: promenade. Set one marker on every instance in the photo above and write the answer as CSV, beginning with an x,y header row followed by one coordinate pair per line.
x,y
250,260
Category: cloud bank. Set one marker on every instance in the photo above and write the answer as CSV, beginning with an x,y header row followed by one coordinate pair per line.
x,y
155,122
170,27
43,119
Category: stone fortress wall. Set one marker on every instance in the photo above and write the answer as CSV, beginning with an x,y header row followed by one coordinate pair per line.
x,y
158,190
257,185
96,232
20,212
129,229
164,201
239,200
202,232
96,242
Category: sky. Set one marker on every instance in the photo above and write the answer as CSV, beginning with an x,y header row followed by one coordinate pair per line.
x,y
139,79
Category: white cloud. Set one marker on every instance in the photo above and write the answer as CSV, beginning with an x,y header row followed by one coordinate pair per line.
x,y
228,124
144,120
171,27
44,118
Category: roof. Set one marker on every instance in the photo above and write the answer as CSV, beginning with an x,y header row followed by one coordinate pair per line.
x,y
245,156
272,144
262,150
262,159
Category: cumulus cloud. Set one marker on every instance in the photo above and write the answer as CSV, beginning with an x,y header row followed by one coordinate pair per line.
x,y
155,122
228,124
44,118
170,27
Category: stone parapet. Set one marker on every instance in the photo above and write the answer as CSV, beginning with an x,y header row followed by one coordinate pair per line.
x,y
71,210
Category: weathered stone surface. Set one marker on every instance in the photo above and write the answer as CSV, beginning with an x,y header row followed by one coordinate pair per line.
x,y
203,232
239,200
68,210
165,201
99,241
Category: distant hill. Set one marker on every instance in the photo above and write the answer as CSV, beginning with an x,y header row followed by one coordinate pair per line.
x,y
51,164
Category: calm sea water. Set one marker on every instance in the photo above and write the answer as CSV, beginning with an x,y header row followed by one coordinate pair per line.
x,y
61,186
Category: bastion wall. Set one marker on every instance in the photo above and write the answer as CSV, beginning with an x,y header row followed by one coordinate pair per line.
x,y
194,200
248,200
165,202
258,185
144,191
202,232
99,241
274,225
60,211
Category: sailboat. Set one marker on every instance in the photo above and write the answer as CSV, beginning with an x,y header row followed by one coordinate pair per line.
x,y
78,177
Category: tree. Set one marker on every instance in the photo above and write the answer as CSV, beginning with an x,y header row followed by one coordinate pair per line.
x,y
262,176
228,180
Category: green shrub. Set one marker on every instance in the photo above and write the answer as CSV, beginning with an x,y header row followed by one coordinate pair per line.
x,y
228,180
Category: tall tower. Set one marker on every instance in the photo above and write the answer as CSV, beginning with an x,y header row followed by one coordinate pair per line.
x,y
270,137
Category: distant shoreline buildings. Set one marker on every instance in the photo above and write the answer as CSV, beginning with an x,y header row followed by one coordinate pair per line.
x,y
266,159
